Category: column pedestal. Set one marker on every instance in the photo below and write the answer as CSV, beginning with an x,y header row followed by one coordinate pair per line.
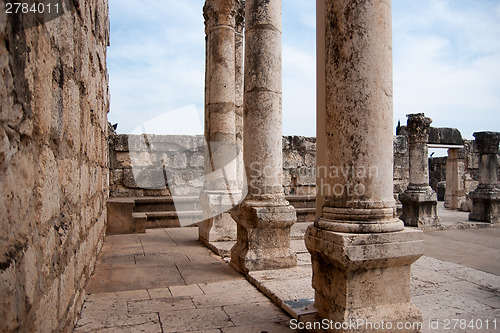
x,y
361,253
365,277
486,198
217,227
485,205
419,207
263,237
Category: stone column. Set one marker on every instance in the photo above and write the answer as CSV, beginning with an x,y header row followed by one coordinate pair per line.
x,y
220,123
239,52
361,253
264,218
486,198
419,200
455,187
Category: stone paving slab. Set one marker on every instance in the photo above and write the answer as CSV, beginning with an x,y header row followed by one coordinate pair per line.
x,y
191,291
207,296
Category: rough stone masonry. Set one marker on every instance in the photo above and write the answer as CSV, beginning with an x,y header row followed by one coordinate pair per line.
x,y
53,171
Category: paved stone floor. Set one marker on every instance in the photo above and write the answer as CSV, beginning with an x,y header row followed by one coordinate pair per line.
x,y
165,281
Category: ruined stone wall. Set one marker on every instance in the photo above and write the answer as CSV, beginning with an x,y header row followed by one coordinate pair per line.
x,y
182,159
469,173
401,165
53,162
137,164
299,165
156,165
437,171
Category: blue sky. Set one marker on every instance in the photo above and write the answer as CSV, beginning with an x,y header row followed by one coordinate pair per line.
x,y
446,64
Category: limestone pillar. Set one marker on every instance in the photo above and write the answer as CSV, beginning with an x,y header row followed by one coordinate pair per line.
x,y
220,123
264,218
419,200
455,187
486,198
361,253
239,52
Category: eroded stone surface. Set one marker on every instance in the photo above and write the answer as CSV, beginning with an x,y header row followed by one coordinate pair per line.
x,y
419,200
53,161
486,198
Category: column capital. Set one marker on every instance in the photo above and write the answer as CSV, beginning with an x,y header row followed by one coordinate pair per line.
x,y
240,16
418,128
487,142
220,12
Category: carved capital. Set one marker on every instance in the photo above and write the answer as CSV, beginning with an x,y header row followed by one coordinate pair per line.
x,y
487,142
418,128
220,12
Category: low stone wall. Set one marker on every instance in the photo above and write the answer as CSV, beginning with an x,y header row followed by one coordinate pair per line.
x,y
149,165
158,165
53,169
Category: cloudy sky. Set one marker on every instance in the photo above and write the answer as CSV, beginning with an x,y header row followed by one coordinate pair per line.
x,y
446,64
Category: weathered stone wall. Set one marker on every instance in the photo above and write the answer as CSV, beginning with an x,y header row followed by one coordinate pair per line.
x,y
182,158
299,165
138,163
141,173
437,171
401,165
53,169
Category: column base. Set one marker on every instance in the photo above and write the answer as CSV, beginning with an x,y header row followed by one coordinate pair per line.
x,y
218,225
419,208
263,237
365,278
485,205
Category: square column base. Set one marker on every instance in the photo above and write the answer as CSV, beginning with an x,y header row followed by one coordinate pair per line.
x,y
218,225
485,206
263,238
220,228
365,278
420,209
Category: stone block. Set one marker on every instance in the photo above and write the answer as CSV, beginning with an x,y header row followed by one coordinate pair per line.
x,y
67,288
364,276
120,219
265,237
306,176
144,178
47,312
197,161
292,160
121,143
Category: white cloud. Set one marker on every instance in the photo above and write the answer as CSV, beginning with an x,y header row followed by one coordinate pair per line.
x,y
446,61
156,59
447,64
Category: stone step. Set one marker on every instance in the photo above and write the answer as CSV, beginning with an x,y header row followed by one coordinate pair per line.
x,y
170,219
301,201
305,214
163,204
132,214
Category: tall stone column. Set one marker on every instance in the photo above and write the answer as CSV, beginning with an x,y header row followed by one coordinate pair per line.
x,y
221,185
361,253
455,187
486,198
264,218
239,52
419,200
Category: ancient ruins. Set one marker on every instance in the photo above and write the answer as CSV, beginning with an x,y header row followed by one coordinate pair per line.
x,y
66,179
